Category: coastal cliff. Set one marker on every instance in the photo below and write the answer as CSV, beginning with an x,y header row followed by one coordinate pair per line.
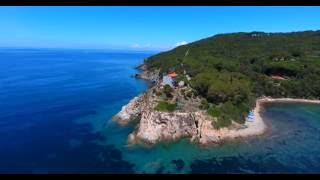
x,y
150,76
155,126
188,121
215,85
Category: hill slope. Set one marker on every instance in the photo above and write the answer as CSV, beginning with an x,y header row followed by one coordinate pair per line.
x,y
231,70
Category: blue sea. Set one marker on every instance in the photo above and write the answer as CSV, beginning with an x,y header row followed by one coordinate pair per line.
x,y
56,107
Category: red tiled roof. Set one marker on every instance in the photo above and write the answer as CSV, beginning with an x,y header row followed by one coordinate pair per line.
x,y
278,77
173,74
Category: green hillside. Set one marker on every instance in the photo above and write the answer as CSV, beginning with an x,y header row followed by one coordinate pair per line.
x,y
231,70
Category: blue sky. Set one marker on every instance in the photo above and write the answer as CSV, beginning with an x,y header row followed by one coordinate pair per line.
x,y
142,27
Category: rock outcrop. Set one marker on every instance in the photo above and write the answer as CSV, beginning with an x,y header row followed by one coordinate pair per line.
x,y
151,76
155,126
129,112
186,122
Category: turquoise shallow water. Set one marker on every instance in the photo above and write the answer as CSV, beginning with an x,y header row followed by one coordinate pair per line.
x,y
55,117
290,146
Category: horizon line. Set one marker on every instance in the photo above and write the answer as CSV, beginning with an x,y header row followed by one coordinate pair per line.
x,y
83,48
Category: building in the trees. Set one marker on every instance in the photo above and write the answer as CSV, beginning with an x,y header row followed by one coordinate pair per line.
x,y
172,74
277,77
167,80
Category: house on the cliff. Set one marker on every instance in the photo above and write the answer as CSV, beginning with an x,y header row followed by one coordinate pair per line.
x,y
169,79
172,74
278,77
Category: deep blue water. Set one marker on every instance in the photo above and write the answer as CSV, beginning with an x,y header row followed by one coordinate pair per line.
x,y
55,117
43,93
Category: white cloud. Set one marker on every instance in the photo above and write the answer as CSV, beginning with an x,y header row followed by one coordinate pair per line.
x,y
136,45
141,46
181,43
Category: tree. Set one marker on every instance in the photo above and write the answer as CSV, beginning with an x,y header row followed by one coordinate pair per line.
x,y
231,70
167,90
204,104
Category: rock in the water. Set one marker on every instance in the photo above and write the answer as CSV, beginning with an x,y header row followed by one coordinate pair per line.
x,y
152,76
160,170
129,111
131,139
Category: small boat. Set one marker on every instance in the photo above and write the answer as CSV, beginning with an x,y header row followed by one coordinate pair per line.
x,y
250,117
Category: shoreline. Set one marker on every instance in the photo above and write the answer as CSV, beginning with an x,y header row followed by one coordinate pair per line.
x,y
150,77
288,100
249,129
259,124
205,133
256,128
209,135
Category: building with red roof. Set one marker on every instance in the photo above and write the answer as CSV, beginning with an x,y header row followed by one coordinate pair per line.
x,y
172,74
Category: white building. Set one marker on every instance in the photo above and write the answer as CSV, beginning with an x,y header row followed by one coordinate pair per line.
x,y
181,83
167,80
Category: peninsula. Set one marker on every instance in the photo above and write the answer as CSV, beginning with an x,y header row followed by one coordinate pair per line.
x,y
214,89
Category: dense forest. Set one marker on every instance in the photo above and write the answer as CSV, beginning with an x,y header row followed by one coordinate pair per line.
x,y
231,70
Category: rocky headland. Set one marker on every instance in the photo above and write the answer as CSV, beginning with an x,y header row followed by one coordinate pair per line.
x,y
150,76
186,121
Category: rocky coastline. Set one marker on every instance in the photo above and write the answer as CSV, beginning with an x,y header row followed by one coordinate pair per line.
x,y
195,124
155,126
152,77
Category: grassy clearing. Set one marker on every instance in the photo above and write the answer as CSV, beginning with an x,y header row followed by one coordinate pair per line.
x,y
165,106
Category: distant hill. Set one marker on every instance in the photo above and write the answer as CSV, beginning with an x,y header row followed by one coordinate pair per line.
x,y
242,48
231,70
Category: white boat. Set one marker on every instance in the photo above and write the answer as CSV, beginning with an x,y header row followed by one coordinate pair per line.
x,y
250,117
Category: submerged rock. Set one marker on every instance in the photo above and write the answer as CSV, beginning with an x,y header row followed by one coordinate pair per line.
x,y
178,163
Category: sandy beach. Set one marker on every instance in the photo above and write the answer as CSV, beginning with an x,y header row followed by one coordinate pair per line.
x,y
254,128
258,126
290,100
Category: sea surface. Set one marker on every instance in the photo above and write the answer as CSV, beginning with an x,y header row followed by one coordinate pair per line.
x,y
56,107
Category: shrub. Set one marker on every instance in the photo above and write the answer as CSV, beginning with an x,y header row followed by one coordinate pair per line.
x,y
221,119
158,93
183,92
214,111
189,94
225,113
167,90
204,104
165,106
221,122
